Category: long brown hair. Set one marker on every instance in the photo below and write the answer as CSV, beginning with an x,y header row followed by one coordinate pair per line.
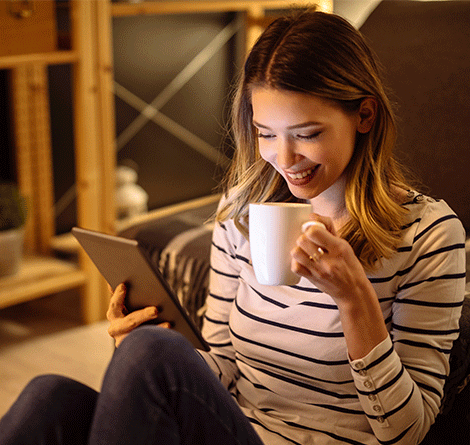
x,y
323,55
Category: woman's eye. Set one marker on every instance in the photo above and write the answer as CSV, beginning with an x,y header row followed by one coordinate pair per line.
x,y
265,135
308,137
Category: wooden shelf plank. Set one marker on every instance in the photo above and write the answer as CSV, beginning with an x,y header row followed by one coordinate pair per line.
x,y
183,7
37,277
65,243
52,58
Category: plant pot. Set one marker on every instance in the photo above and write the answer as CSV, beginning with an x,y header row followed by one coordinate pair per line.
x,y
11,250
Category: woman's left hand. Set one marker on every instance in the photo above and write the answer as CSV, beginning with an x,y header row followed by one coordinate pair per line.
x,y
329,262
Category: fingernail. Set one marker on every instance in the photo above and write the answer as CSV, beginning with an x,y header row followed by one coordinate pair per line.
x,y
152,311
308,224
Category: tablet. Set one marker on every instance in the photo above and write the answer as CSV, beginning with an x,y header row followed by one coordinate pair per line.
x,y
122,260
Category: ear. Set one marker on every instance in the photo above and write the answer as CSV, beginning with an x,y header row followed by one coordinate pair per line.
x,y
367,114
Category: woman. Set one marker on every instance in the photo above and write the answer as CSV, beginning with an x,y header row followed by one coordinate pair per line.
x,y
358,351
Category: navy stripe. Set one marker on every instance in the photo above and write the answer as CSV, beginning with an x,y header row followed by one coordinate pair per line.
x,y
223,357
219,272
430,303
269,300
319,305
393,411
407,226
312,290
425,371
220,345
220,298
290,370
242,258
424,331
212,320
303,385
256,385
403,272
288,327
383,387
434,224
430,254
257,422
429,388
386,299
457,246
431,279
340,409
221,249
418,344
289,353
396,439
388,353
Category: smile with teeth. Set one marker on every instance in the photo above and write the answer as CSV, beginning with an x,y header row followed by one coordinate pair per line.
x,y
300,175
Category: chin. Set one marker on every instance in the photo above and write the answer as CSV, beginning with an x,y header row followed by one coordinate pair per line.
x,y
302,194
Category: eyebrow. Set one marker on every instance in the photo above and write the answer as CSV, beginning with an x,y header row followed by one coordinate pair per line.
x,y
292,127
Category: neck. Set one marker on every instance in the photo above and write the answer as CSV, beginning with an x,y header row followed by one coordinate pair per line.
x,y
332,204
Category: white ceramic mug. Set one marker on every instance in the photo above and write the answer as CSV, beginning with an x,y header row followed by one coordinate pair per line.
x,y
274,229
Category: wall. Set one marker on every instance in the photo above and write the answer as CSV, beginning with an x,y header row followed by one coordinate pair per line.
x,y
149,52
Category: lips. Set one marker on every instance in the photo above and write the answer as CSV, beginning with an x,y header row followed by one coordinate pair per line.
x,y
303,177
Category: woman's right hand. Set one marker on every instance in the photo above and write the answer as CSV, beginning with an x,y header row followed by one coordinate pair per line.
x,y
121,323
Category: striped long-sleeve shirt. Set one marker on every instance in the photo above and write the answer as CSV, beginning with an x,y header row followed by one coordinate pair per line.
x,y
282,352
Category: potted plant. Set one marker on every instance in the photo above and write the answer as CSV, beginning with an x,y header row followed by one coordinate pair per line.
x,y
12,220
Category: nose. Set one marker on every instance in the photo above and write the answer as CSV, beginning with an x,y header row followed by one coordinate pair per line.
x,y
286,155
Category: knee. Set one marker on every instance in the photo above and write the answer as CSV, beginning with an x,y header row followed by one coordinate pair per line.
x,y
149,347
47,387
152,340
48,403
57,391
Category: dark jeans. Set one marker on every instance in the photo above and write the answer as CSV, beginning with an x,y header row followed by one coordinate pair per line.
x,y
157,390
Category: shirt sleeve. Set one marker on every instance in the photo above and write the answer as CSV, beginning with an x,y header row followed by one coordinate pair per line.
x,y
223,287
400,382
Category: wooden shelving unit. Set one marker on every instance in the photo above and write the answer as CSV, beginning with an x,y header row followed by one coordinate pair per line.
x,y
39,276
41,273
95,155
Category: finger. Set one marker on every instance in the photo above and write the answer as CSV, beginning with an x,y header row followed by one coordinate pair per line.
x,y
124,325
299,269
312,223
313,246
303,266
300,259
116,307
118,338
327,222
110,290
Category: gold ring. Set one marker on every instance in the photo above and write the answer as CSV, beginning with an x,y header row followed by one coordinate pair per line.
x,y
316,256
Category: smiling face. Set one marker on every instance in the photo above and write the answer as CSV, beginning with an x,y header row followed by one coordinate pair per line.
x,y
307,139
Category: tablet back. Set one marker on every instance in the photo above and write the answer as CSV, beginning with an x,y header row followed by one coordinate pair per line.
x,y
122,260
